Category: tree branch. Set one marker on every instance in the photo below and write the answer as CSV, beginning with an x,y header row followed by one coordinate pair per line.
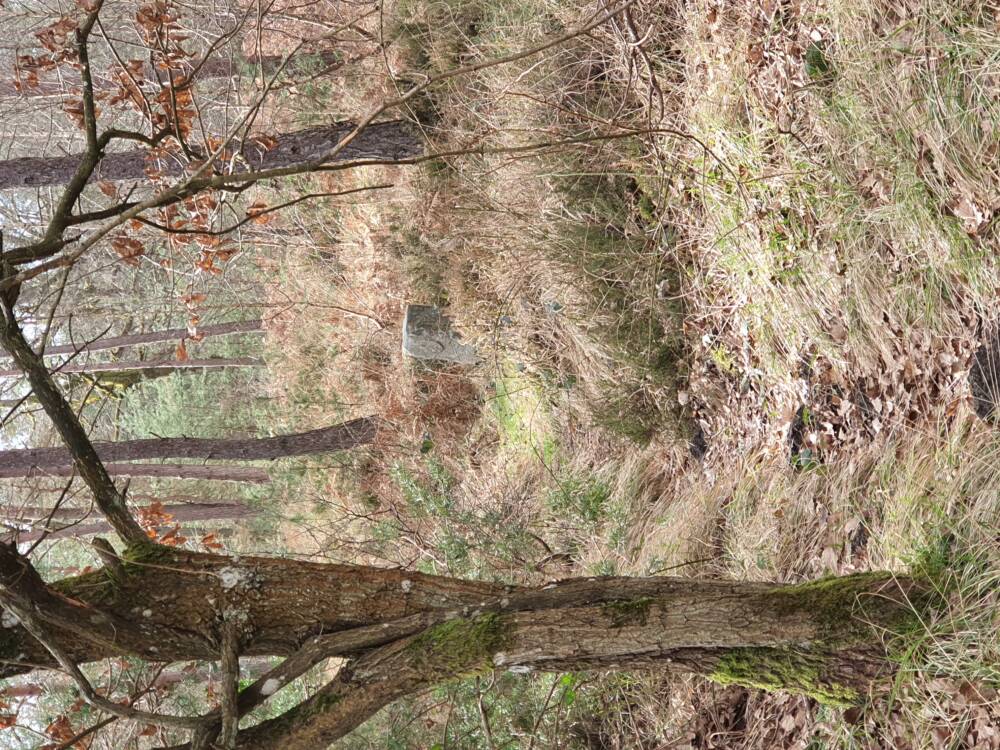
x,y
230,664
21,604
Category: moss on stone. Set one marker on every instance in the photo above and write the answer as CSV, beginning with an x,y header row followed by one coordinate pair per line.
x,y
784,669
460,646
628,611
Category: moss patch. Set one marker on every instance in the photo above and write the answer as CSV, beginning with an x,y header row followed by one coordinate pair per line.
x,y
848,607
784,669
460,646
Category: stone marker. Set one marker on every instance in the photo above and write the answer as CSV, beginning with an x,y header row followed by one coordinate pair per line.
x,y
427,336
984,378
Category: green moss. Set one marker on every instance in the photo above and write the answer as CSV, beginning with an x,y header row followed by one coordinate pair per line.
x,y
96,588
460,646
628,611
146,553
784,669
849,607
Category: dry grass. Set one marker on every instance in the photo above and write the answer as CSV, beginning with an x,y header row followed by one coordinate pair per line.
x,y
799,271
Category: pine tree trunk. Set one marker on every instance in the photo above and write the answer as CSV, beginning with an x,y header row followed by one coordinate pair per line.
x,y
23,462
221,66
150,368
69,522
217,473
153,337
384,141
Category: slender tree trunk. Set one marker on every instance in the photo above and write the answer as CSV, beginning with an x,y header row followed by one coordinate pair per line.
x,y
184,511
384,141
64,524
23,462
244,474
220,66
151,367
154,337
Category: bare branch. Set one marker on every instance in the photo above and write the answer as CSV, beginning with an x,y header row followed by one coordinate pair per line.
x,y
230,664
23,610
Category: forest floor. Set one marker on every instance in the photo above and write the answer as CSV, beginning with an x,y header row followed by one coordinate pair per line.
x,y
735,343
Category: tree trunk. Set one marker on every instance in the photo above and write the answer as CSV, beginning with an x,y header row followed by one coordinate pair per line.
x,y
151,367
69,522
383,141
154,337
22,462
245,474
824,639
185,511
217,67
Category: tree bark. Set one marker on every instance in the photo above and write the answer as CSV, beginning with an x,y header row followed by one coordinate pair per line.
x,y
22,462
153,367
64,524
154,337
823,639
217,67
246,474
292,601
383,141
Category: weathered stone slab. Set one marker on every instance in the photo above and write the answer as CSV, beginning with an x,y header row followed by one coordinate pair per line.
x,y
428,336
984,377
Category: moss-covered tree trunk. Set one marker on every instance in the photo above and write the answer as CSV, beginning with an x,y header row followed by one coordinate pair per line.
x,y
405,631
